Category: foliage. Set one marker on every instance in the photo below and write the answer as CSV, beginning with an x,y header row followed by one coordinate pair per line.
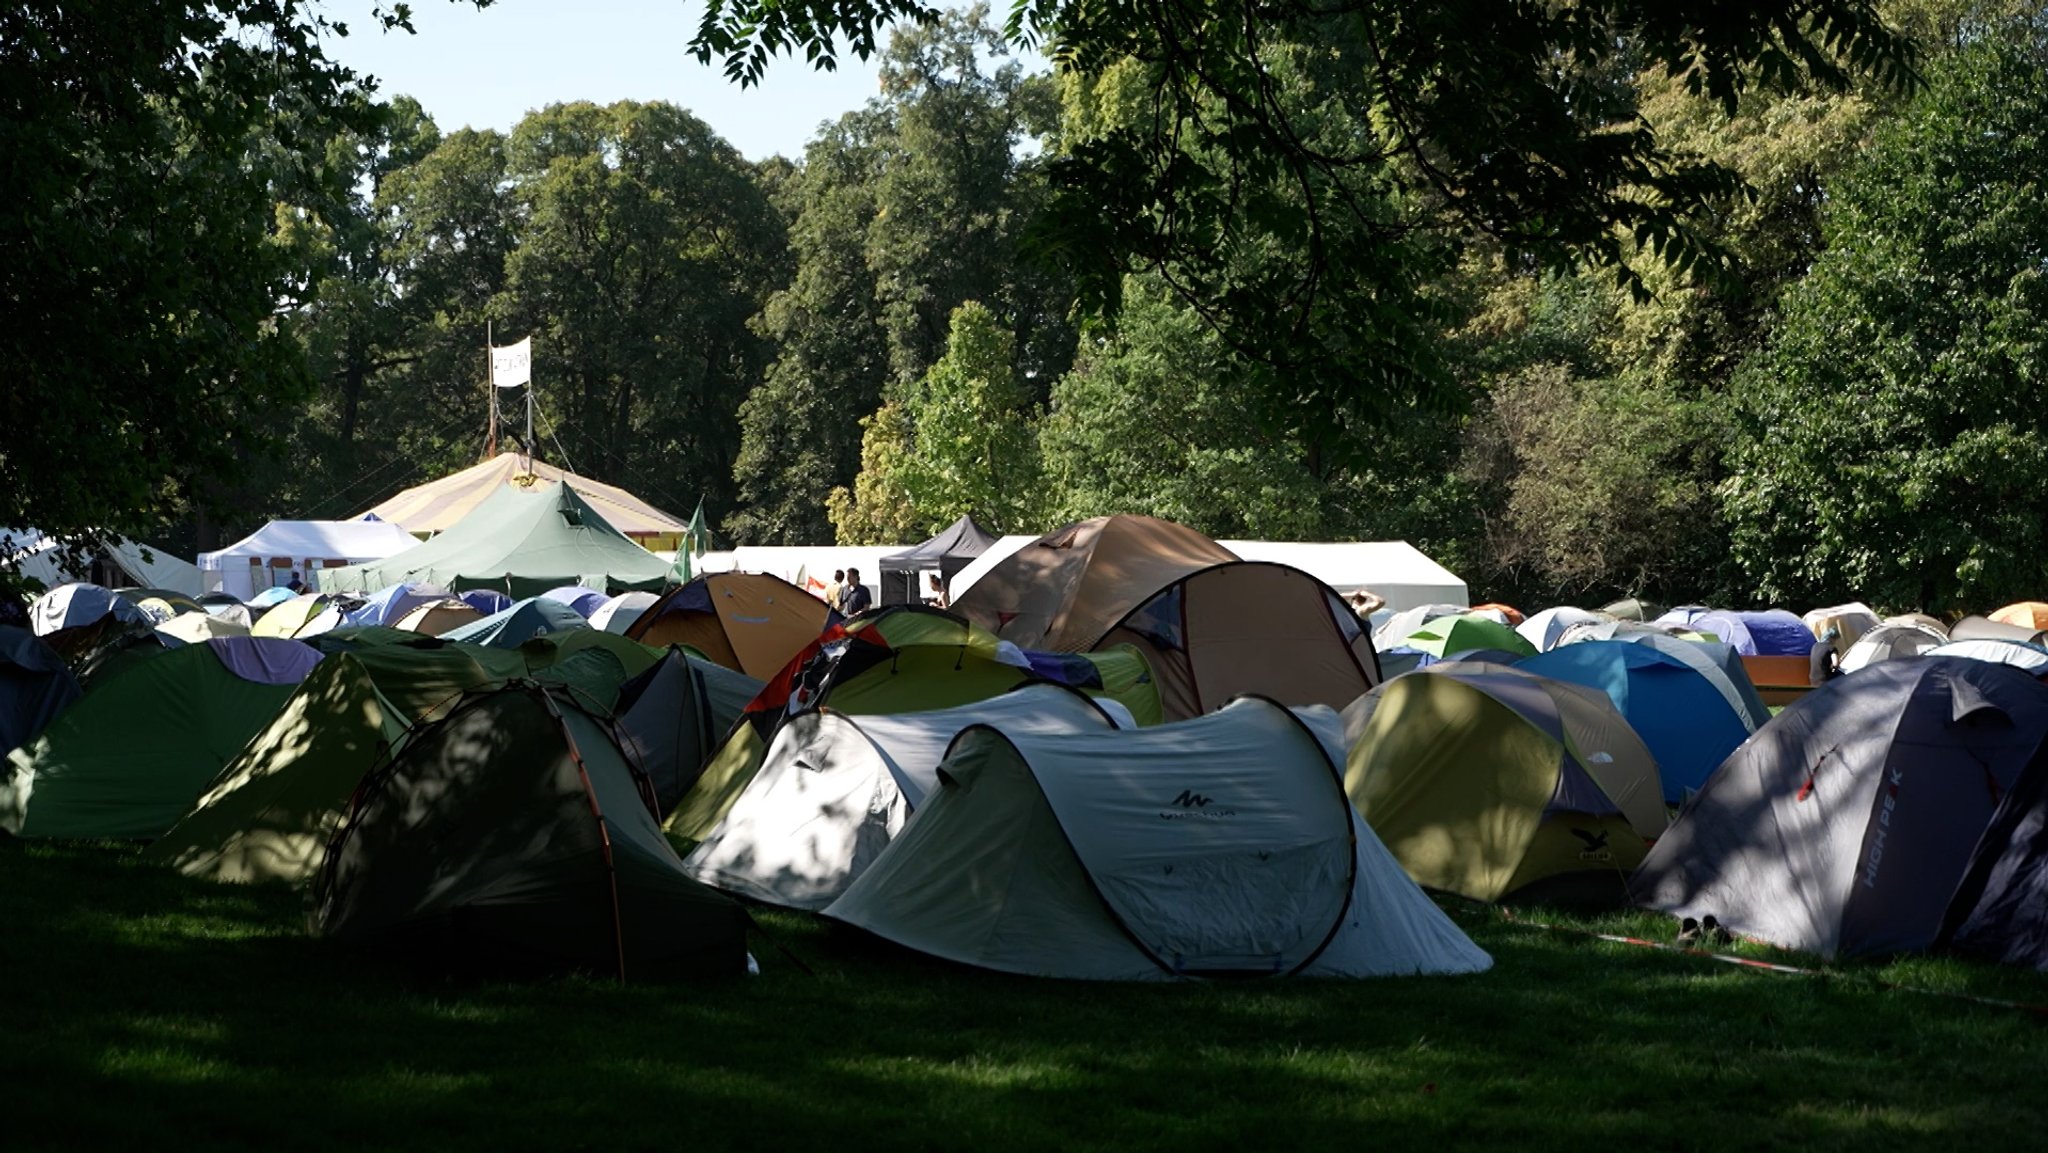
x,y
877,508
975,449
1891,438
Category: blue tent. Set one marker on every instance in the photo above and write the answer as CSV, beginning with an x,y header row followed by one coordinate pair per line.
x,y
387,606
1687,721
525,620
485,601
584,600
1773,633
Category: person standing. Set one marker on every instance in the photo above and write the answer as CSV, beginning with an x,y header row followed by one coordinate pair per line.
x,y
856,599
837,589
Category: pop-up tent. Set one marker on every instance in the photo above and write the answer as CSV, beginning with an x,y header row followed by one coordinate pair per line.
x,y
1245,627
1065,590
141,745
953,549
519,543
440,505
752,622
833,789
268,557
1489,782
1221,846
1848,825
35,687
513,836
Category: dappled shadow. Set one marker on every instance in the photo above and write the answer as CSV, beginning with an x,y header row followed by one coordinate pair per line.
x,y
142,1003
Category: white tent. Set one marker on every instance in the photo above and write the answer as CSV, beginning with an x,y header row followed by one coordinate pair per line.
x,y
798,564
269,556
121,565
1396,571
1222,845
833,790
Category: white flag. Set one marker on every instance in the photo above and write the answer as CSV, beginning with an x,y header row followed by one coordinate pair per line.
x,y
512,365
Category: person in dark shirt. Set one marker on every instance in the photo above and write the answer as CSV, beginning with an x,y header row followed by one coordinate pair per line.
x,y
855,599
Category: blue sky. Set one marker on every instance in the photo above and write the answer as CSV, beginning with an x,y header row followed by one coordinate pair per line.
x,y
486,69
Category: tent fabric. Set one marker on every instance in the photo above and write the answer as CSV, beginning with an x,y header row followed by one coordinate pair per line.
x,y
2026,614
951,550
440,505
1065,590
519,543
1249,627
193,628
619,614
1772,633
2030,658
75,606
1221,846
2000,912
248,567
1722,666
673,716
1486,783
1845,826
584,600
1398,627
1448,636
485,601
141,745
122,561
272,811
525,620
1983,628
1547,628
751,622
1397,572
513,836
1890,642
35,687
1689,724
293,617
438,618
834,789
387,606
270,597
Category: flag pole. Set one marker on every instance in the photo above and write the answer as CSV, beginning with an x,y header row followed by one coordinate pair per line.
x,y
491,386
529,412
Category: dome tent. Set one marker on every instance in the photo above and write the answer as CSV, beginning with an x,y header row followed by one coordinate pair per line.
x,y
1847,825
514,837
1687,721
1220,846
751,622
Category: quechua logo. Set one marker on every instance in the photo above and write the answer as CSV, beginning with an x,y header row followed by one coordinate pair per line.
x,y
1190,805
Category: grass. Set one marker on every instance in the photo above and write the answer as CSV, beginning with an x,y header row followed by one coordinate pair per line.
x,y
140,1008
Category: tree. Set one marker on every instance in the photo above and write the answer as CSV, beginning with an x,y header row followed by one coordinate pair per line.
x,y
1341,134
974,449
876,509
1891,438
144,154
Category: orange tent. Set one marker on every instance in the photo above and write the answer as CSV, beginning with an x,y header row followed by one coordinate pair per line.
x,y
2026,614
751,622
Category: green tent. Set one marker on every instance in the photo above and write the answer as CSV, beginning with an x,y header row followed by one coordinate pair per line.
x,y
514,837
519,543
1449,636
272,811
144,742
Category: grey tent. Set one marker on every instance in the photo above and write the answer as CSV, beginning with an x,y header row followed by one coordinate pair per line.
x,y
514,837
675,715
833,790
1222,845
35,686
2001,908
948,552
1846,826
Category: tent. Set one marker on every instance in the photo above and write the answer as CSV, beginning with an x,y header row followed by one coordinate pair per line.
x,y
1066,589
1397,572
274,808
1493,784
191,628
1984,628
1846,826
388,606
1392,631
440,505
584,600
673,716
519,543
296,617
2000,909
901,659
437,618
1248,627
2028,658
1546,629
619,614
1772,633
1218,847
747,621
268,557
135,751
1688,721
833,789
485,601
2025,614
1890,642
77,606
35,687
107,560
532,617
947,553
1448,636
514,837
1721,665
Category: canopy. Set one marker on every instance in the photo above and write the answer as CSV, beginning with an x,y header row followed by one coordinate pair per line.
x,y
440,505
949,552
121,563
519,543
268,557
1397,572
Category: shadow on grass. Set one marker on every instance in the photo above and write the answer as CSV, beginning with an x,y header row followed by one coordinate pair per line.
x,y
142,1005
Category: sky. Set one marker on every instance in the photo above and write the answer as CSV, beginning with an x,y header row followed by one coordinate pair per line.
x,y
486,69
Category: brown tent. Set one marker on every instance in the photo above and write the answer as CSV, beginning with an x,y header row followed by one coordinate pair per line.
x,y
751,622
1249,627
439,617
1063,591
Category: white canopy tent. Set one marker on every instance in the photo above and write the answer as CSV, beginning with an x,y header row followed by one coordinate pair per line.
x,y
1395,570
269,556
123,565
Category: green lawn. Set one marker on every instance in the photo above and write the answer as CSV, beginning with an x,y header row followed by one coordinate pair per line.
x,y
140,1010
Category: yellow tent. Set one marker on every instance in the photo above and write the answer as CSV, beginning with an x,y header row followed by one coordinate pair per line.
x,y
2026,614
437,505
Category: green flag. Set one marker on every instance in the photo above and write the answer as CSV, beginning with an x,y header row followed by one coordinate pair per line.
x,y
696,541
